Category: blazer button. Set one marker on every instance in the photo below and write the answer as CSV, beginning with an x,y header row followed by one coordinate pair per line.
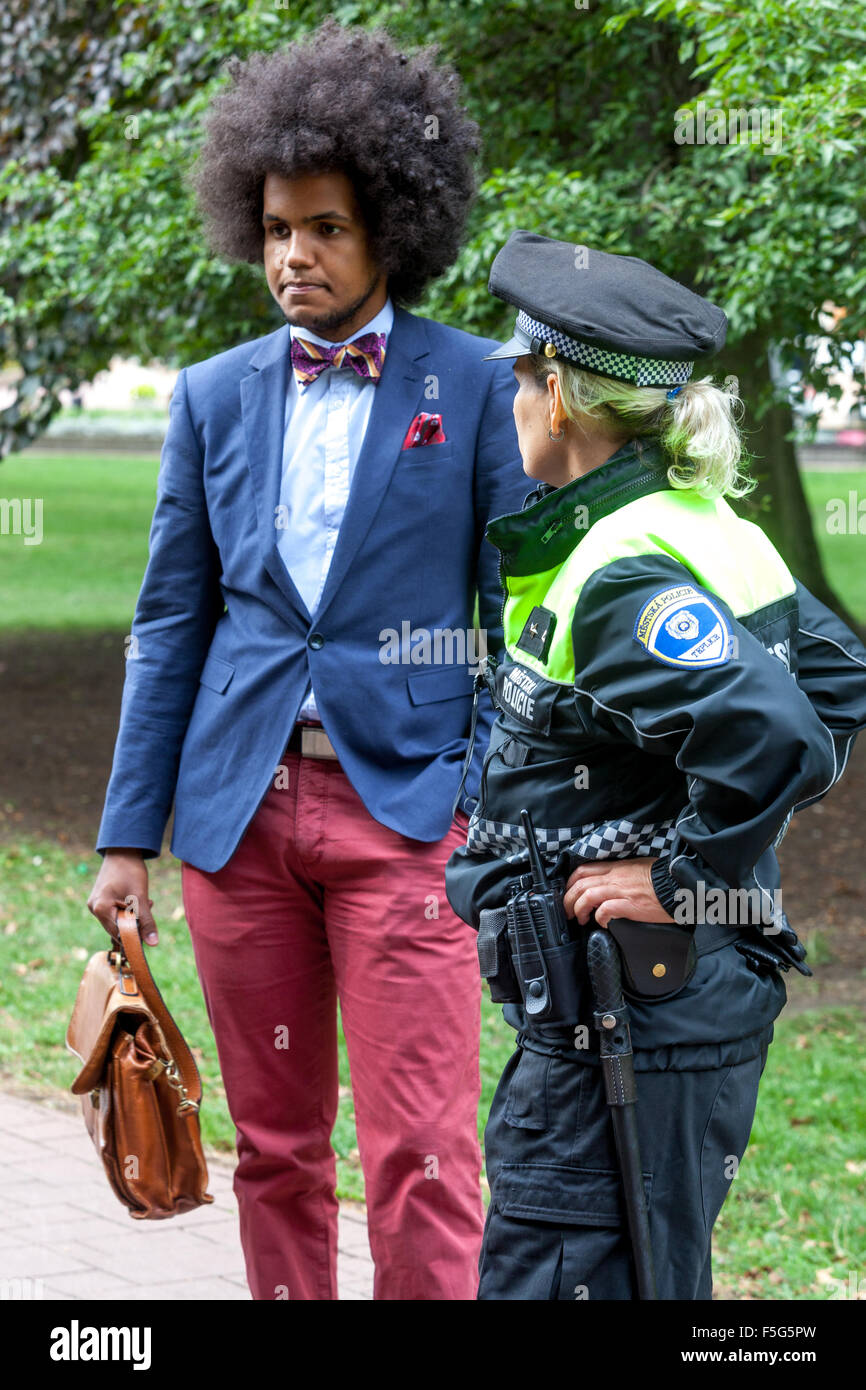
x,y
316,641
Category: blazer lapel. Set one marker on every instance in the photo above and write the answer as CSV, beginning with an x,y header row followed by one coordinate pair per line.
x,y
263,404
397,399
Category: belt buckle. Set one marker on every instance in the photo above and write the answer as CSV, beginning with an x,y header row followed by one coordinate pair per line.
x,y
316,744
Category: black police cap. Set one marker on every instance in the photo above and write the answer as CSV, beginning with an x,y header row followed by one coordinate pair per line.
x,y
613,315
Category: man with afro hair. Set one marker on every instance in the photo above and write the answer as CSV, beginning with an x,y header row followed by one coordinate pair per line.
x,y
303,643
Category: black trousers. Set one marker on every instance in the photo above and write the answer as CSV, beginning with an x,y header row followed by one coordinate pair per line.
x,y
556,1223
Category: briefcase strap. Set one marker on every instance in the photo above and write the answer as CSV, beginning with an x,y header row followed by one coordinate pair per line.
x,y
188,1081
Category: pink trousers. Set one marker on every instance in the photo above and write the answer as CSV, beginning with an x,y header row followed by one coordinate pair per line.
x,y
321,902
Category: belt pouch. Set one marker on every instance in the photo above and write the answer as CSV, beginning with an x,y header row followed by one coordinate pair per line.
x,y
494,957
658,958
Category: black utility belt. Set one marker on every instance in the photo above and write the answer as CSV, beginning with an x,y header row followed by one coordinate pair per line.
x,y
536,958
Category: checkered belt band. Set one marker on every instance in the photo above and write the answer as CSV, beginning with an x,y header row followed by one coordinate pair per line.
x,y
618,839
641,371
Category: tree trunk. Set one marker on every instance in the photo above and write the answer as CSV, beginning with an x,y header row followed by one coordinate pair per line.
x,y
778,504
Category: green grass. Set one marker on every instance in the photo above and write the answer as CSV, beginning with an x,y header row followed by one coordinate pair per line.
x,y
794,1224
87,571
842,554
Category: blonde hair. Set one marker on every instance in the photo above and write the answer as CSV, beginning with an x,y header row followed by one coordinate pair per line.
x,y
697,428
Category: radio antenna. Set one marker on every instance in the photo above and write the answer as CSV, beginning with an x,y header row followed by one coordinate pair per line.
x,y
538,874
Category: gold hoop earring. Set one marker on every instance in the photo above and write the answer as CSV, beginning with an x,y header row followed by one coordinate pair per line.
x,y
557,438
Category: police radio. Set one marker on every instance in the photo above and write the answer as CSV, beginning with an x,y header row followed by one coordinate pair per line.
x,y
543,942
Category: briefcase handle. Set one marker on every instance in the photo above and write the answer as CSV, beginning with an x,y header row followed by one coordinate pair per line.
x,y
183,1073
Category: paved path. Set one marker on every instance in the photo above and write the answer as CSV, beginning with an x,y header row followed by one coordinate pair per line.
x,y
61,1225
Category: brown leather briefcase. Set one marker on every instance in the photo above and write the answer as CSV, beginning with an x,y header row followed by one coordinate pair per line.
x,y
139,1085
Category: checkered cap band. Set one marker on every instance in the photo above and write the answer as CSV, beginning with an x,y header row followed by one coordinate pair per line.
x,y
641,371
618,839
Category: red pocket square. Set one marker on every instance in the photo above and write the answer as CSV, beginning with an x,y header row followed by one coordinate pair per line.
x,y
424,429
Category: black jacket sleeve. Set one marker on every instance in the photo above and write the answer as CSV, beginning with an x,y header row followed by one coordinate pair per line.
x,y
831,671
744,733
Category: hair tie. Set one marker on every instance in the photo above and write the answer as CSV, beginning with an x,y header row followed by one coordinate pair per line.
x,y
674,391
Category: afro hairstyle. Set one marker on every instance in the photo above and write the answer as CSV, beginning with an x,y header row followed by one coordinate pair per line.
x,y
345,99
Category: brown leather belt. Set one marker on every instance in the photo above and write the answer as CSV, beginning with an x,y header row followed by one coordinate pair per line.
x,y
311,741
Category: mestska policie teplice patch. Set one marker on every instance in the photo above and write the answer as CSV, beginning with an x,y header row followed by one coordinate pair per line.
x,y
683,627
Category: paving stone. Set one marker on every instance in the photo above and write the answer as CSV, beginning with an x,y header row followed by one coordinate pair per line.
x,y
15,1149
11,1216
37,1261
40,1232
21,1192
211,1223
93,1283
10,1242
219,1237
52,1125
179,1259
212,1290
55,1170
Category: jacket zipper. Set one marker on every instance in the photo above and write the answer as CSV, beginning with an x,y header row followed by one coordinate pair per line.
x,y
623,489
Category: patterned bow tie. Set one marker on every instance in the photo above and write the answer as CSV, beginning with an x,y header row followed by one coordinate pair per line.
x,y
365,355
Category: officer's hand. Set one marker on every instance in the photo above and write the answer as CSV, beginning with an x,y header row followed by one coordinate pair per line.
x,y
123,875
616,888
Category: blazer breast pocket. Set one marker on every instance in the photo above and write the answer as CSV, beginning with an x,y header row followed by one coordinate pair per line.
x,y
427,455
444,683
216,674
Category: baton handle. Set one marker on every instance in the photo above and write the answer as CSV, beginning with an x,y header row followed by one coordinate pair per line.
x,y
605,971
611,1017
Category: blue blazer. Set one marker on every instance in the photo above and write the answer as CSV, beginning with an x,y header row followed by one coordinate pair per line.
x,y
222,643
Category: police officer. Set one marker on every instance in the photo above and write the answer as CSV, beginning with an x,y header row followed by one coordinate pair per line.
x,y
669,694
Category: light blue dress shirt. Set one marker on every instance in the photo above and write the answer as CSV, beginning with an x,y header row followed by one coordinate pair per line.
x,y
325,424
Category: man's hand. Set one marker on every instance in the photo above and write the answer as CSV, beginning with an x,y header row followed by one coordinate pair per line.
x,y
123,875
614,888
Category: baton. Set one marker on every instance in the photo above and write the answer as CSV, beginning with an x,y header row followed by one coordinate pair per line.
x,y
617,1064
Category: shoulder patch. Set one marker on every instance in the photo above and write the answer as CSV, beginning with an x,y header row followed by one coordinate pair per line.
x,y
683,627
